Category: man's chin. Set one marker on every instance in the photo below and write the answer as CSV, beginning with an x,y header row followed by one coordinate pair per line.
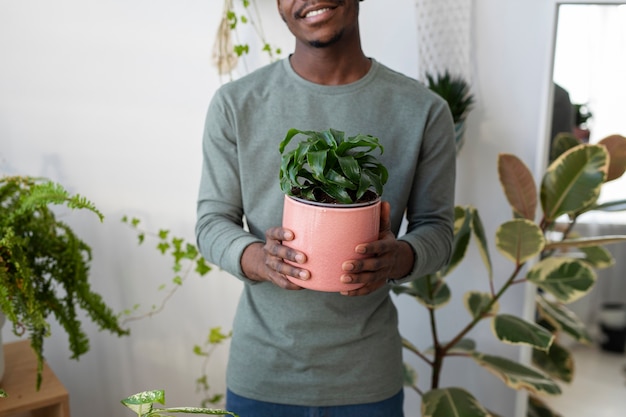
x,y
319,43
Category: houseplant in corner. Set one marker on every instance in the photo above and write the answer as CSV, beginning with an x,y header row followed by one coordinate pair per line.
x,y
332,184
544,253
456,92
44,266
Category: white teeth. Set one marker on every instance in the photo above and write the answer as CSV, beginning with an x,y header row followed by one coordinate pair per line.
x,y
316,12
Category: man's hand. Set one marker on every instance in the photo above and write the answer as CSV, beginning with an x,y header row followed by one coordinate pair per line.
x,y
266,262
386,258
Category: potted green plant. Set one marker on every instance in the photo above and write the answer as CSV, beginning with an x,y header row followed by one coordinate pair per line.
x,y
143,405
331,182
563,268
456,92
44,266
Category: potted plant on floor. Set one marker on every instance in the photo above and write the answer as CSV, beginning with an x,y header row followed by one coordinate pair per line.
x,y
331,182
44,266
544,253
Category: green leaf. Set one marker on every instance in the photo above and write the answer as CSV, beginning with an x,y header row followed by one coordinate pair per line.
x,y
585,242
598,257
515,330
572,182
409,375
563,319
451,402
538,408
563,142
430,291
519,240
141,403
463,346
610,206
202,267
477,304
481,240
462,235
516,375
567,279
556,362
519,185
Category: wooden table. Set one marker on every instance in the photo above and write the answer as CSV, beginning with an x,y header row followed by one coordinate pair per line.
x,y
52,399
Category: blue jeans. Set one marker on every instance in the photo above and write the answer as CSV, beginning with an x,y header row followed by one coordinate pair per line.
x,y
245,407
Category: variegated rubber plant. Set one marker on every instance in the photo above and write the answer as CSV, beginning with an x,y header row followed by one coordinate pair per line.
x,y
546,253
327,167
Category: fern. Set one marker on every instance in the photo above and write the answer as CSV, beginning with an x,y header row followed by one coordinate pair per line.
x,y
44,266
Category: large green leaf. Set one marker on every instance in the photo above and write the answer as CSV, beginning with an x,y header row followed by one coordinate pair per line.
x,y
572,182
515,330
562,318
567,279
562,142
477,302
516,375
518,184
451,402
462,236
557,362
519,240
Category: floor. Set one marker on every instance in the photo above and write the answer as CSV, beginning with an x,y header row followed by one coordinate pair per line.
x,y
599,386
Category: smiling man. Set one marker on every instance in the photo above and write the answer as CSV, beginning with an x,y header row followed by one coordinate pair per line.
x,y
297,352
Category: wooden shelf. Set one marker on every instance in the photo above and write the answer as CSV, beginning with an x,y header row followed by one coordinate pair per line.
x,y
52,399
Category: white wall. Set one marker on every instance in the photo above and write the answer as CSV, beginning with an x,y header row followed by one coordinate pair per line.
x,y
109,99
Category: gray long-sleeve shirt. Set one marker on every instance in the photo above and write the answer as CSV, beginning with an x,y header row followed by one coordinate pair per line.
x,y
306,347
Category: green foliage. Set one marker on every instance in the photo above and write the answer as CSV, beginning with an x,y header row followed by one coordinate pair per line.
x,y
44,266
564,270
215,338
328,167
142,404
247,17
455,90
185,257
186,261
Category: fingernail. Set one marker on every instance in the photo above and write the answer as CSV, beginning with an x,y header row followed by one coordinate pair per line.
x,y
360,249
348,266
300,258
346,278
303,275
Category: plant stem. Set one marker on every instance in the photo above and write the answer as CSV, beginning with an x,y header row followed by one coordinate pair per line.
x,y
442,351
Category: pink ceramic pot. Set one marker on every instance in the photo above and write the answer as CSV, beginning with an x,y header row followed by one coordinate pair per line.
x,y
328,235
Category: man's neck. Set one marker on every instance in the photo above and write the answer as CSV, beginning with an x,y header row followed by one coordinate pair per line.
x,y
330,66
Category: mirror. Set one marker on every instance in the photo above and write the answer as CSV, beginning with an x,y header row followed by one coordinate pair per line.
x,y
590,65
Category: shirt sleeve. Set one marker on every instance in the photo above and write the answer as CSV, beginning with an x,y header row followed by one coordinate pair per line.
x,y
220,232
